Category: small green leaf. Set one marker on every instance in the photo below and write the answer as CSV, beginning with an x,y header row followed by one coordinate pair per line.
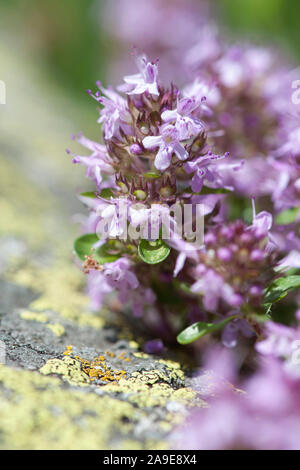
x,y
206,190
280,287
108,252
106,193
259,318
90,194
199,329
151,174
182,285
153,252
287,217
84,244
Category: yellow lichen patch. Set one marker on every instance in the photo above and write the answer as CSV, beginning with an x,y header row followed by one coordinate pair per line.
x,y
150,377
141,355
170,364
14,209
37,413
174,367
56,329
61,291
146,390
69,369
129,444
34,316
162,445
185,395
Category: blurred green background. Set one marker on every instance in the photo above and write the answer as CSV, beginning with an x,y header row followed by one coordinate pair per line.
x,y
52,51
67,39
276,21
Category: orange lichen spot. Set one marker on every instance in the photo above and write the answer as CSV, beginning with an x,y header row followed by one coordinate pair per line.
x,y
110,354
69,350
97,368
123,358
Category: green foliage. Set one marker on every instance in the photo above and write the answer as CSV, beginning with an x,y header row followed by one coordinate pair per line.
x,y
280,288
83,245
151,175
199,329
106,253
90,194
205,190
153,252
287,217
106,193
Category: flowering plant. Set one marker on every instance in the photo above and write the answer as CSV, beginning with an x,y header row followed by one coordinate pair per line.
x,y
171,229
155,174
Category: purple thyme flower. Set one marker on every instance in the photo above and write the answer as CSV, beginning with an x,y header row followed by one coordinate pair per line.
x,y
118,274
252,107
168,143
280,341
213,289
114,115
292,260
144,81
261,223
155,346
231,332
232,271
156,148
205,168
286,194
98,163
292,146
186,124
97,288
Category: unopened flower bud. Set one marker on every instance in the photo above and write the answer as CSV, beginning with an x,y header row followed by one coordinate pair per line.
x,y
140,194
135,149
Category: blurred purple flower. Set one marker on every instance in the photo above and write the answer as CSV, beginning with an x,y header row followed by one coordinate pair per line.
x,y
265,417
155,346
